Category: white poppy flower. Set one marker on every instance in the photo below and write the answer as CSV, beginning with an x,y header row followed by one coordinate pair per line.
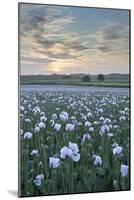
x,y
42,113
38,180
101,118
42,125
57,127
54,116
96,122
86,137
73,147
87,124
117,150
98,161
89,114
110,134
126,109
37,129
122,112
70,127
104,130
107,121
21,132
79,123
22,108
76,157
28,135
43,119
28,120
84,117
65,152
40,177
114,145
64,116
36,110
115,127
54,162
91,129
100,110
73,118
124,170
35,152
122,118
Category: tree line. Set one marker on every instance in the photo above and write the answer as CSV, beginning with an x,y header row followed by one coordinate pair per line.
x,y
87,78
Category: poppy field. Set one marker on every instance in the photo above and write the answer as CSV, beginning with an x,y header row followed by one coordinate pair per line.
x,y
74,140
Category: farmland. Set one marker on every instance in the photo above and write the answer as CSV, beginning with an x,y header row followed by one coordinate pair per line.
x,y
111,80
73,139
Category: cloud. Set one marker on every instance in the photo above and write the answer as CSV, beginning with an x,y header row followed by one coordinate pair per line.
x,y
115,32
44,36
112,37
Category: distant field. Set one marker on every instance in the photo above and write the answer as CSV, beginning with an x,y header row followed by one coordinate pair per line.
x,y
110,81
76,82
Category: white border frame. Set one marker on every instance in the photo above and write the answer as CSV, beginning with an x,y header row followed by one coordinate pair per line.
x,y
9,98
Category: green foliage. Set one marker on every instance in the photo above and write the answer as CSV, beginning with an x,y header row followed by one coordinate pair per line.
x,y
86,79
100,77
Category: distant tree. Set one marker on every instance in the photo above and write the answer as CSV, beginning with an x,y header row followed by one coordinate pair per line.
x,y
100,77
86,79
66,76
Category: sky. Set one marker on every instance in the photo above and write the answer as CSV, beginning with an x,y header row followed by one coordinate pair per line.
x,y
67,40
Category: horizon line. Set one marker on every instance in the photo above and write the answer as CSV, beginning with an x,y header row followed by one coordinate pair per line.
x,y
72,74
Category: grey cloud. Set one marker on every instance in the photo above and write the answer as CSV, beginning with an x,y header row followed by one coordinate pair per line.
x,y
33,20
115,32
114,38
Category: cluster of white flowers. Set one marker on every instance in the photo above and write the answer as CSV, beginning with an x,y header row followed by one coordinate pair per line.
x,y
72,152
